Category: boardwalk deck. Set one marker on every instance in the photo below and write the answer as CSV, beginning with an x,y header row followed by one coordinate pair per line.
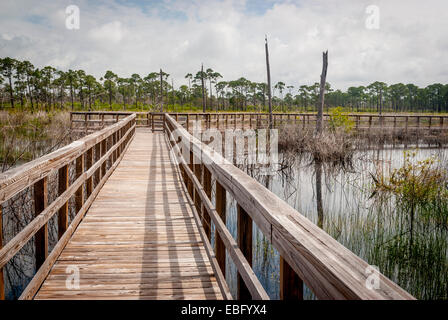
x,y
139,239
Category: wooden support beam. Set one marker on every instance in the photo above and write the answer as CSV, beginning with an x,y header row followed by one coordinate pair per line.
x,y
221,206
244,226
291,286
41,236
63,177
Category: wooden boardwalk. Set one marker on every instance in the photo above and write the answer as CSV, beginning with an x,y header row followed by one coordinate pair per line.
x,y
139,239
142,223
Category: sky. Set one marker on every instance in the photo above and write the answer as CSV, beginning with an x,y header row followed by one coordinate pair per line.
x,y
392,41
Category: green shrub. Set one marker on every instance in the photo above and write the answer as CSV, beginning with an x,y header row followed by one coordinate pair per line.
x,y
340,120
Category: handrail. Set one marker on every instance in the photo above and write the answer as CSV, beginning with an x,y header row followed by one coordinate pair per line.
x,y
90,154
242,265
307,252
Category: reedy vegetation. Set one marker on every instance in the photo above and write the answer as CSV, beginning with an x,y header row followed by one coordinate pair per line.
x,y
47,88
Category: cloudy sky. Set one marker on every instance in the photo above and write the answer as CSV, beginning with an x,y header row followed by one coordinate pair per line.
x,y
137,36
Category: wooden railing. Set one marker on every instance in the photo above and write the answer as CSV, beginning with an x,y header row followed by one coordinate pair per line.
x,y
308,254
360,121
94,158
88,121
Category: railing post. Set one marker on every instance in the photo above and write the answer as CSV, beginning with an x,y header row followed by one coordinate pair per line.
x,y
221,209
197,199
88,164
2,279
79,195
85,123
244,227
152,122
97,157
188,122
207,184
407,124
41,236
115,141
291,286
103,165
190,183
63,176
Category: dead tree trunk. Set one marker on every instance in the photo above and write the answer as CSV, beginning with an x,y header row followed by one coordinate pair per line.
x,y
203,90
323,81
268,69
161,91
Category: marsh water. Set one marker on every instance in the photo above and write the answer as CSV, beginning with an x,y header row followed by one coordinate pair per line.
x,y
373,229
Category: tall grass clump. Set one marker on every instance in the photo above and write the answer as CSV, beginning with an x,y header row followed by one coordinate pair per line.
x,y
25,136
413,249
334,145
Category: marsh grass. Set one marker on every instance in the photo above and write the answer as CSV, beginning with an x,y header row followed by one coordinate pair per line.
x,y
25,136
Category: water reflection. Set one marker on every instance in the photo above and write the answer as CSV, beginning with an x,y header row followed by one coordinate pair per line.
x,y
339,202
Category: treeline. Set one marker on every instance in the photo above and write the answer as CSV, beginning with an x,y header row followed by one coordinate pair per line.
x,y
23,85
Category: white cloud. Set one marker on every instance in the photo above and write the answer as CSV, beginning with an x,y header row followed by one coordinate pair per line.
x,y
112,32
410,45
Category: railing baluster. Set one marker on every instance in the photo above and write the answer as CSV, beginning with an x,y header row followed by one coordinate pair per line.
x,y
63,176
41,236
88,164
197,199
221,209
244,226
207,184
190,183
97,157
291,286
103,152
79,195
